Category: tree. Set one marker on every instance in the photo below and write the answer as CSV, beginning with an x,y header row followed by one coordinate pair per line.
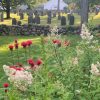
x,y
94,2
91,2
84,8
34,3
84,11
8,4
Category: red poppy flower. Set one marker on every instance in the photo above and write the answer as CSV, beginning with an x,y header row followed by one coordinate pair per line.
x,y
58,42
54,41
29,42
11,47
14,67
16,45
19,69
24,44
5,85
31,62
39,62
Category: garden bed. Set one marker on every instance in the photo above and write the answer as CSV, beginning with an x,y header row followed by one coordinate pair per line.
x,y
55,67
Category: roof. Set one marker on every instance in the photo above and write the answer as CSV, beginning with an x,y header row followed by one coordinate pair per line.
x,y
53,5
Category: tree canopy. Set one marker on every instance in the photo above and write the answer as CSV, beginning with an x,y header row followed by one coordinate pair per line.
x,y
91,2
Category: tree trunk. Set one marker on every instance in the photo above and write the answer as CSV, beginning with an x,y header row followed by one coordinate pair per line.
x,y
7,9
84,11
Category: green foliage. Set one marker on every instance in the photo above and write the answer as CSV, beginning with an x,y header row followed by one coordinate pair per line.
x,y
59,78
13,3
92,3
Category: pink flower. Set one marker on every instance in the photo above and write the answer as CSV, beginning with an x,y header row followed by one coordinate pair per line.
x,y
24,44
11,47
29,42
14,67
5,85
17,68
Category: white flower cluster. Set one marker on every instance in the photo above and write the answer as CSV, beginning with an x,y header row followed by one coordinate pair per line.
x,y
54,34
54,30
19,77
75,61
95,69
85,34
79,51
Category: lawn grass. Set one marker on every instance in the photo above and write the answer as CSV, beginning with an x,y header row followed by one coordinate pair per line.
x,y
6,41
5,54
95,19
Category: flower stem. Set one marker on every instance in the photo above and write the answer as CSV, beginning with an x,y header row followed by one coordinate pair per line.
x,y
29,51
74,85
18,55
12,57
89,68
25,55
89,74
43,52
57,57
